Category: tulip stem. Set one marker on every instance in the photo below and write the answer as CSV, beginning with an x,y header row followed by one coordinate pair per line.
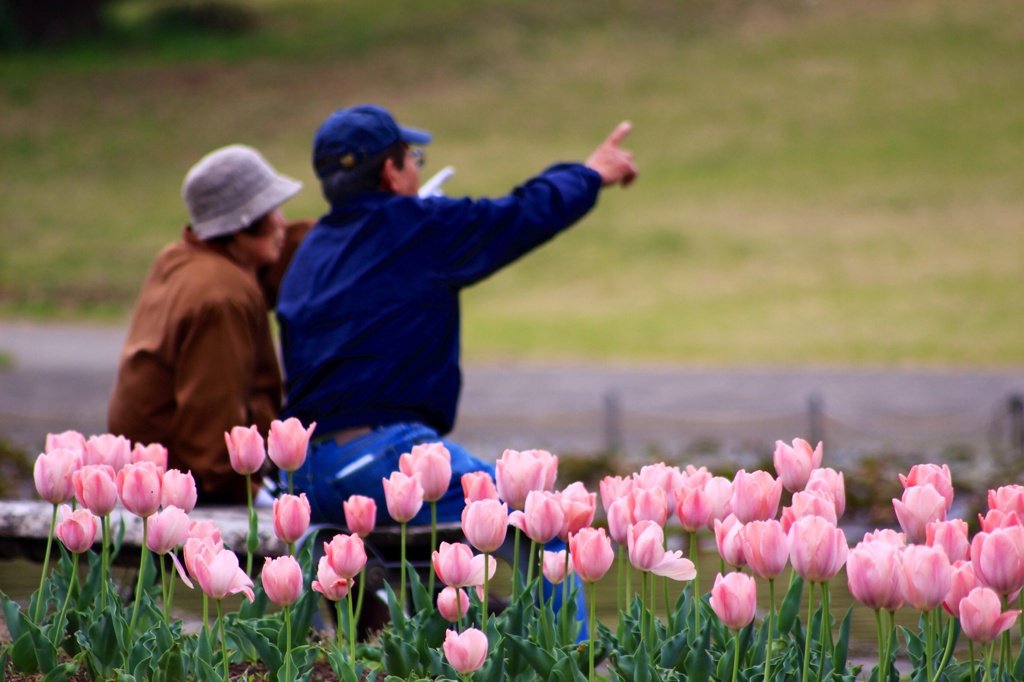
x,y
531,562
105,562
487,580
59,630
654,599
458,610
988,661
515,566
362,586
433,544
250,538
695,585
401,592
643,606
736,656
947,651
590,626
970,645
768,640
339,629
882,646
807,635
223,642
620,578
291,486
46,563
565,599
163,590
351,629
142,573
287,641
929,644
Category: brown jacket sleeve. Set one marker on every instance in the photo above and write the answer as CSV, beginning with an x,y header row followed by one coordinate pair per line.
x,y
212,381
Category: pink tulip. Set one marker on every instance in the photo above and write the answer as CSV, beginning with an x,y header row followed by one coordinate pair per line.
x,y
730,542
431,466
650,504
68,440
693,508
1008,499
951,537
998,559
794,463
809,504
360,514
542,518
245,449
287,443
154,452
108,449
921,504
456,566
291,517
765,548
465,652
329,583
453,604
178,489
755,496
553,566
874,574
928,575
719,492
981,616
620,518
403,495
166,530
647,552
138,486
591,553
219,575
694,477
485,523
77,530
888,536
997,518
734,599
204,529
962,582
817,549
614,487
831,484
517,474
95,488
282,580
207,547
931,474
578,507
53,473
478,485
346,554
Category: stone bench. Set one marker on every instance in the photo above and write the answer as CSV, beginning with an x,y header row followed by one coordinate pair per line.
x,y
25,526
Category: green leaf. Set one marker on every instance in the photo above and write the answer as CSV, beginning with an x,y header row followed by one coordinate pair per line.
x,y
642,671
265,650
791,606
13,617
672,650
23,654
539,659
698,661
170,667
843,645
102,645
61,673
399,656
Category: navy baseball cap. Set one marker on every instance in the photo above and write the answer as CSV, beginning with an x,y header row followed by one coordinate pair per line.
x,y
350,136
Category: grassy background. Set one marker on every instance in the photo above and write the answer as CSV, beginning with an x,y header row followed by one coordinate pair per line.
x,y
822,182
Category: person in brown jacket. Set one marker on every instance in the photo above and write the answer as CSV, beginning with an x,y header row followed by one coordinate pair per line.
x,y
199,358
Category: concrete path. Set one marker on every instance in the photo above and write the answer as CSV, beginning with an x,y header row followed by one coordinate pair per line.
x,y
60,377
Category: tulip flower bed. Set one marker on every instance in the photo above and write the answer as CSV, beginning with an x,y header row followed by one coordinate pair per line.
x,y
80,627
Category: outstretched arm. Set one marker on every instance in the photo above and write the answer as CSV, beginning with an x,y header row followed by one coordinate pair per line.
x,y
611,161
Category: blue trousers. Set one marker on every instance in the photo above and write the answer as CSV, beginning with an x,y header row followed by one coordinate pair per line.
x,y
332,473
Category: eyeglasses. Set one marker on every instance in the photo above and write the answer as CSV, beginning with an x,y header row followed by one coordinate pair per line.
x,y
418,157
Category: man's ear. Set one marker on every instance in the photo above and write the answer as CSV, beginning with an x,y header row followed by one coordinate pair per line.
x,y
388,175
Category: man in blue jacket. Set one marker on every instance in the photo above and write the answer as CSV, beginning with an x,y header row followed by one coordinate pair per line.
x,y
369,308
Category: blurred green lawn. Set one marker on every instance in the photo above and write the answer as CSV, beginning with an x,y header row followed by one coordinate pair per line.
x,y
822,182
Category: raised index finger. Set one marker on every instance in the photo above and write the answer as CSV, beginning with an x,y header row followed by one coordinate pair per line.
x,y
619,134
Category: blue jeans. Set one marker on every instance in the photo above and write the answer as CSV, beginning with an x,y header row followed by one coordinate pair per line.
x,y
332,473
